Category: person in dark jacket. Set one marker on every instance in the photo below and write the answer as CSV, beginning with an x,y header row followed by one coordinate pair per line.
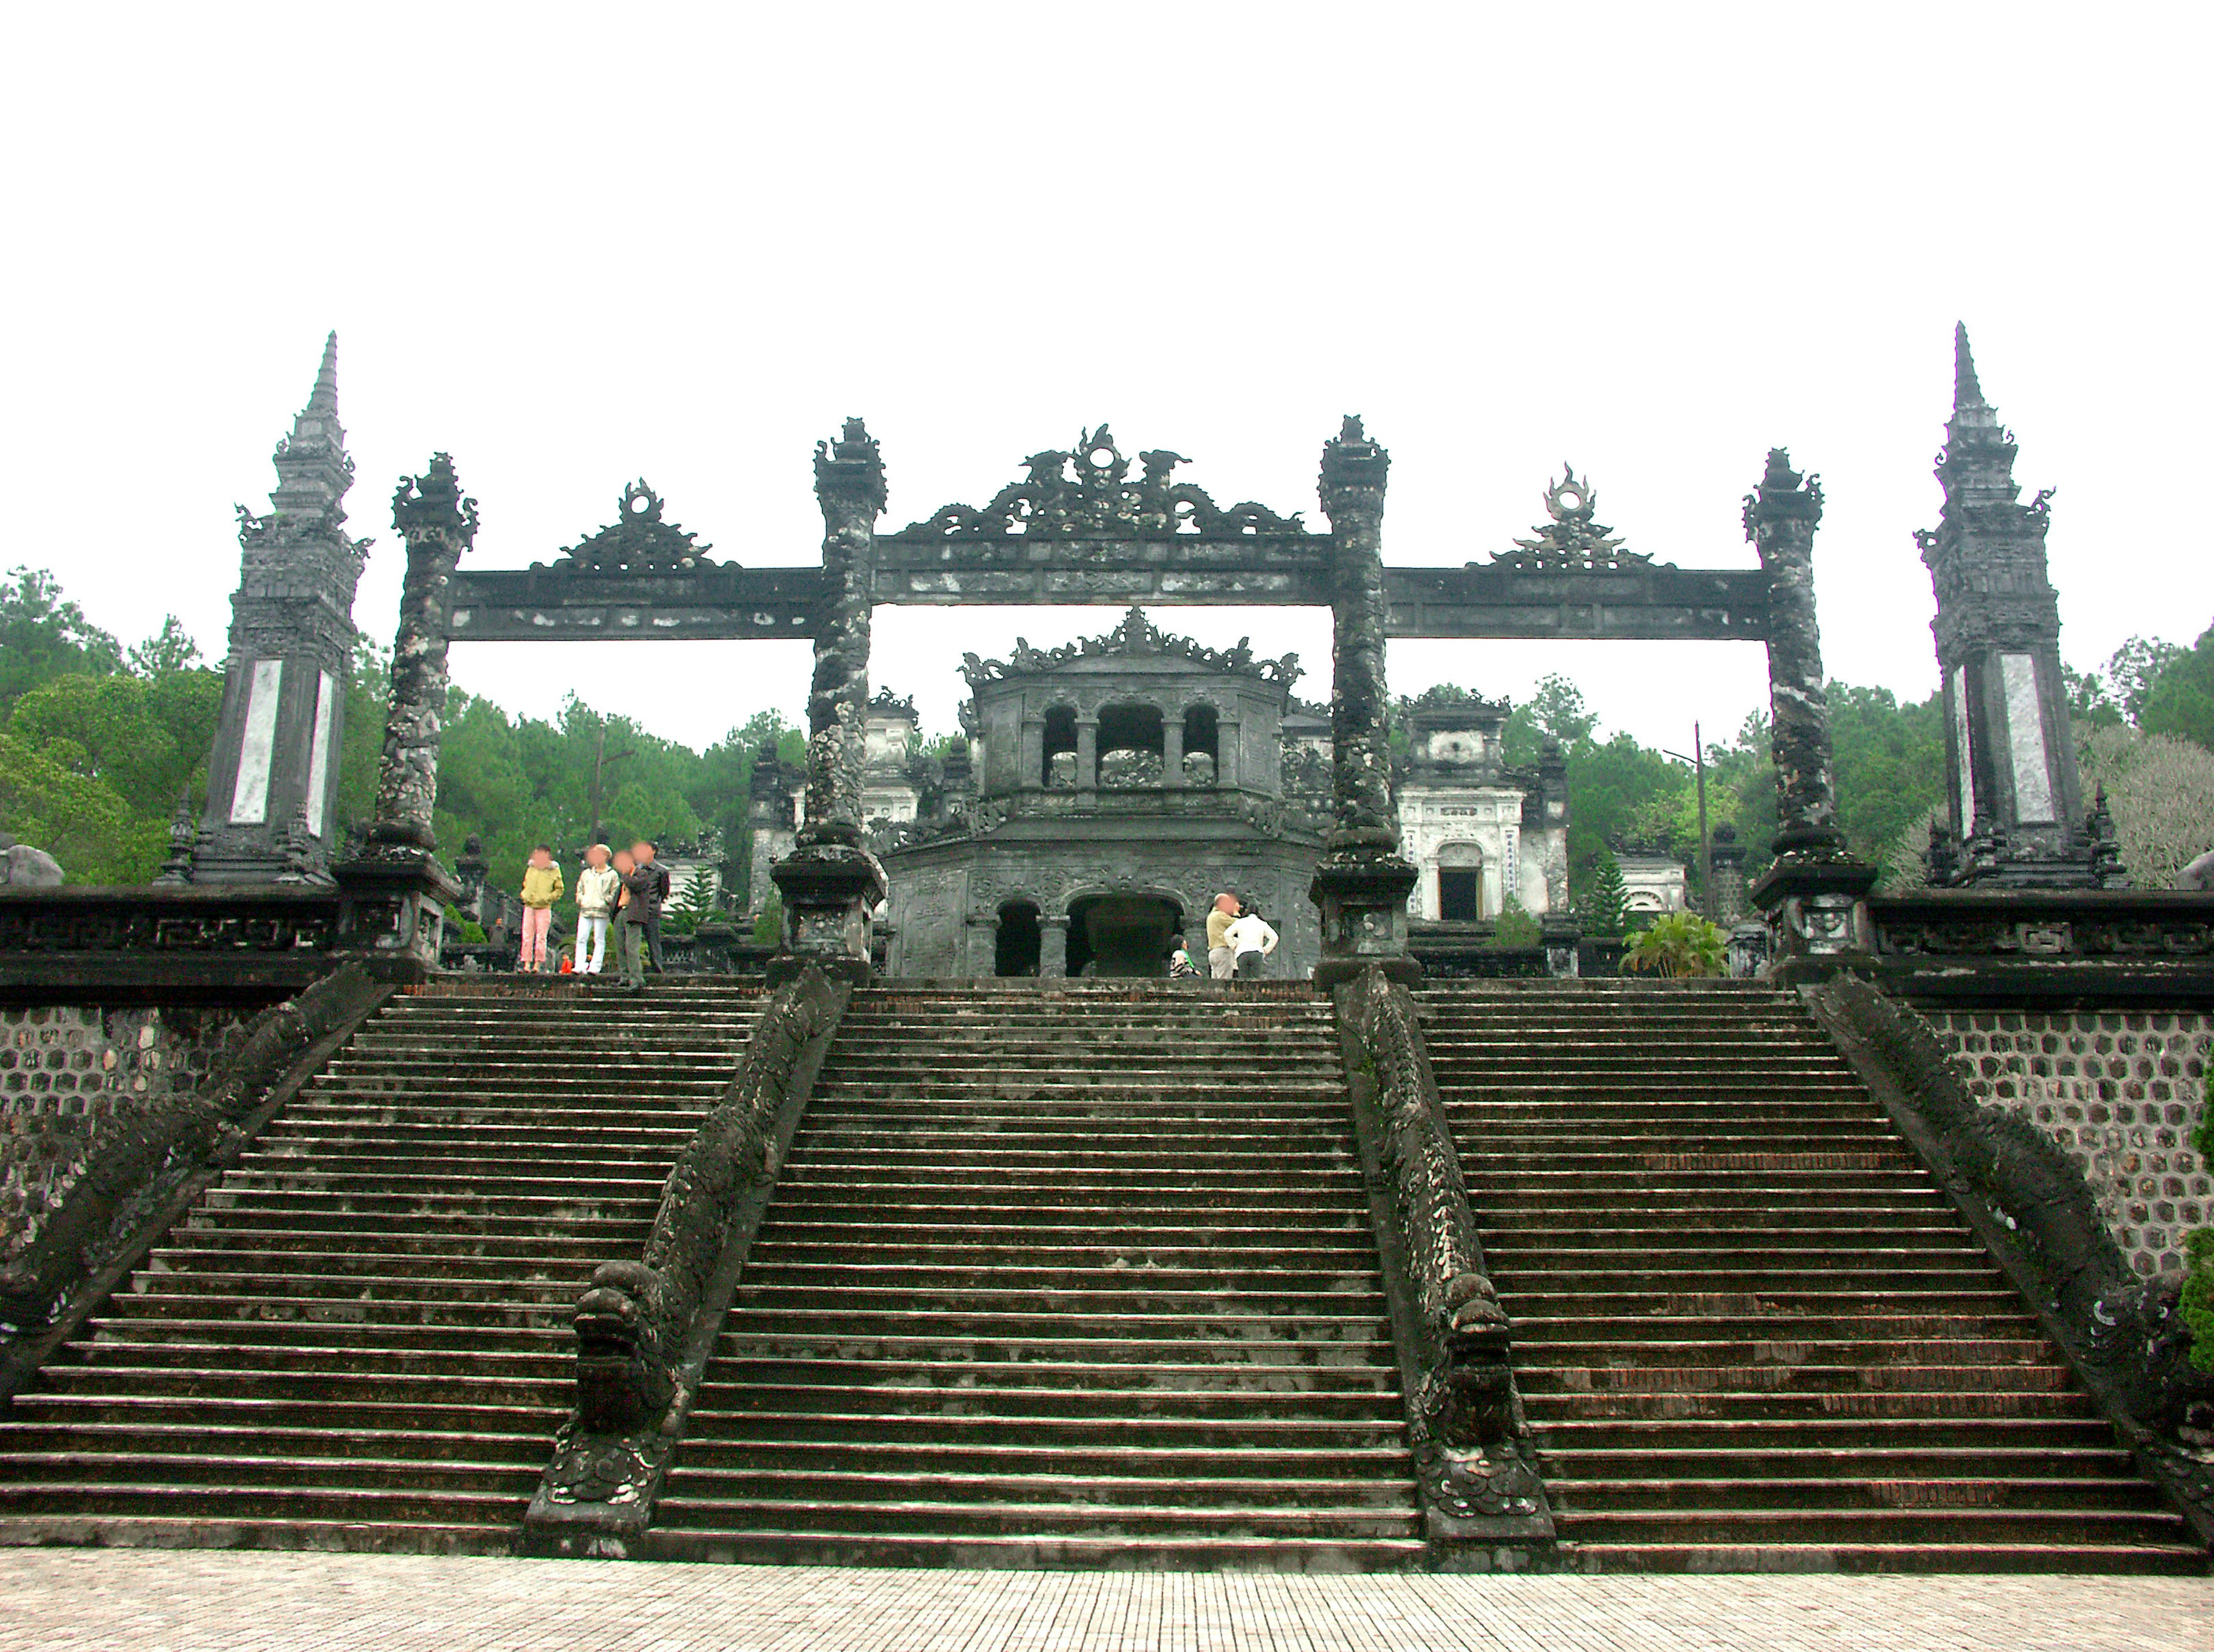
x,y
642,883
644,854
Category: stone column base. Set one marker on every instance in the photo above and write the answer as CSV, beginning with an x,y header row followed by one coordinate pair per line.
x,y
392,906
1363,896
1815,905
830,893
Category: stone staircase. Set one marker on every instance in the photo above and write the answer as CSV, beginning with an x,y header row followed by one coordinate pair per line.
x,y
1079,1275
1751,1332
360,1337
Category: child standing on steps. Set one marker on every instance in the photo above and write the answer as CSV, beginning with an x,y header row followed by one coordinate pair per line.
x,y
599,887
541,887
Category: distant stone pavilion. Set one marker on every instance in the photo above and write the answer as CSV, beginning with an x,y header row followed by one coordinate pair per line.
x,y
1108,789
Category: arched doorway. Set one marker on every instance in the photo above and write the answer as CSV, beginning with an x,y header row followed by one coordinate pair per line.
x,y
1127,936
1460,882
1016,952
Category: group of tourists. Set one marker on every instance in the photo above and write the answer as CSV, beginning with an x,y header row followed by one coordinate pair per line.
x,y
1239,940
618,890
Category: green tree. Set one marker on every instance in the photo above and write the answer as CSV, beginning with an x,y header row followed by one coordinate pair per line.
x,y
2179,698
2135,670
1601,902
168,649
44,636
1555,711
1890,765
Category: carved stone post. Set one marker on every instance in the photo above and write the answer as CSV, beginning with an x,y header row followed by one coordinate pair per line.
x,y
1812,896
1053,948
1173,750
395,890
983,953
1362,882
830,883
1087,754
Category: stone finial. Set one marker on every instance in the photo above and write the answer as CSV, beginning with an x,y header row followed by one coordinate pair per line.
x,y
1783,496
1351,460
851,470
433,506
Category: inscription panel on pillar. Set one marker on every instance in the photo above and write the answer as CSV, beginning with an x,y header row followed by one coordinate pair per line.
x,y
249,797
2033,774
1962,775
319,753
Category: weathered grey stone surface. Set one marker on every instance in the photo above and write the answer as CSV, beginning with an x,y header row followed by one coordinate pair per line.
x,y
1120,781
273,773
2120,1091
2016,816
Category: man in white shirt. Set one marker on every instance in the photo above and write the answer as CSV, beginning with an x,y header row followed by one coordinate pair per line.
x,y
1250,941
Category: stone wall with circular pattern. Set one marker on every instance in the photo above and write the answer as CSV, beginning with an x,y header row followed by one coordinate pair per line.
x,y
2120,1092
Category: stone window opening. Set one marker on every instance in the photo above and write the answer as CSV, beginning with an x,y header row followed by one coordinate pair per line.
x,y
1131,746
1057,770
1201,759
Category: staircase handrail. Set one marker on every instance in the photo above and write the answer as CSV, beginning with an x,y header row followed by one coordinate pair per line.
x,y
646,1328
1464,1422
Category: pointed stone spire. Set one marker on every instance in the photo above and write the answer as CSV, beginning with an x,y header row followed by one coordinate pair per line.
x,y
1978,464
313,470
272,777
325,397
1967,392
2014,797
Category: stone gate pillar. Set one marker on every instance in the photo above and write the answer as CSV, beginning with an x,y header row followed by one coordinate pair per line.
x,y
1812,895
1362,881
830,883
272,807
395,890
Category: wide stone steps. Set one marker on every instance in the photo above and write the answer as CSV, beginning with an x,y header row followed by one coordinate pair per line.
x,y
1751,1332
1057,1281
360,1337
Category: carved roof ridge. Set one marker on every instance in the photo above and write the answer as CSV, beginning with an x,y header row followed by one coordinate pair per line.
x,y
638,540
1575,541
1087,492
1136,636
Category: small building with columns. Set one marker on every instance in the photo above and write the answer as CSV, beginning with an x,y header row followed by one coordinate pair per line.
x,y
1115,786
1120,784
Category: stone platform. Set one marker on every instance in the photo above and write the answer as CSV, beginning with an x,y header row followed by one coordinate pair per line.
x,y
79,1601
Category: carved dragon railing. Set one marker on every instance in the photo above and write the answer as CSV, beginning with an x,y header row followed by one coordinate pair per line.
x,y
1479,1480
644,1328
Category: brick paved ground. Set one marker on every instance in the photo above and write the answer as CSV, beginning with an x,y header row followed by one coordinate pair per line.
x,y
137,1600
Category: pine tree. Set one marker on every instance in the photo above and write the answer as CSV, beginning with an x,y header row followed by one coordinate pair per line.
x,y
1607,900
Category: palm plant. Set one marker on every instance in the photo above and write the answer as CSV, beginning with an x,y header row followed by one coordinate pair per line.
x,y
1678,944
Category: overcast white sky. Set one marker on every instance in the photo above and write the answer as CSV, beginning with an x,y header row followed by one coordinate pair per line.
x,y
575,246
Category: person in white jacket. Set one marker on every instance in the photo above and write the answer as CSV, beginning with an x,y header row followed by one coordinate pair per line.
x,y
597,887
1250,941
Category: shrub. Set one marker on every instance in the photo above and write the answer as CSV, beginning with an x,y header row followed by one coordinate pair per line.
x,y
1678,944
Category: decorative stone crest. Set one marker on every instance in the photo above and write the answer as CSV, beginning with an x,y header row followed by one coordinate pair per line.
x,y
1574,542
638,541
1087,492
1134,636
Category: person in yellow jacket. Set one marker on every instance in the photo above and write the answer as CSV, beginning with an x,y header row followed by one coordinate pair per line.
x,y
541,887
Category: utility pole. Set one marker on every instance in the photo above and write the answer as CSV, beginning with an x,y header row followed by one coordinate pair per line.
x,y
1697,759
600,761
